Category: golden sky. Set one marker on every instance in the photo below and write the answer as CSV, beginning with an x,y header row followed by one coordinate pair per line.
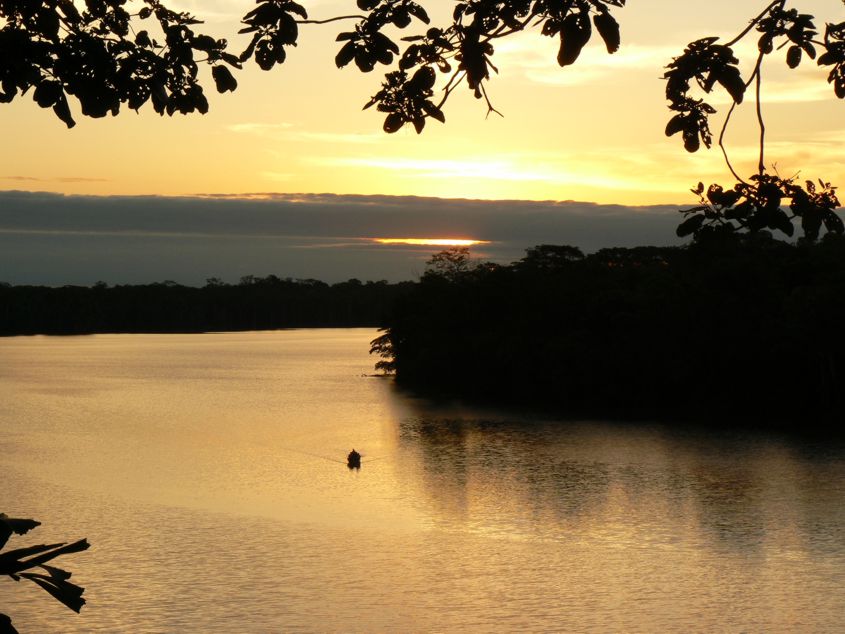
x,y
590,132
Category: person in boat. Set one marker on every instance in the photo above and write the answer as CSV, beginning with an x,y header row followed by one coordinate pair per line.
x,y
353,459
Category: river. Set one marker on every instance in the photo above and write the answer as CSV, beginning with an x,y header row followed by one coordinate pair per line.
x,y
208,472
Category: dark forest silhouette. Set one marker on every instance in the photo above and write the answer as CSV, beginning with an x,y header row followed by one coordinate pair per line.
x,y
735,328
255,303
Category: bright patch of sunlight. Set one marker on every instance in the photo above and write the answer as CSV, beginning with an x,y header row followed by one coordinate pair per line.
x,y
437,242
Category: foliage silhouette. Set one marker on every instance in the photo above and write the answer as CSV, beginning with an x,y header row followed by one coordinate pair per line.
x,y
106,57
99,56
20,563
739,328
755,204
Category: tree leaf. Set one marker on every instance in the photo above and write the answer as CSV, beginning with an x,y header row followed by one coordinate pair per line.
x,y
63,591
811,224
9,525
793,56
6,626
364,61
62,110
143,39
298,9
781,221
574,35
345,54
809,49
675,125
732,81
393,122
401,18
423,80
42,554
691,141
12,560
223,79
265,56
250,49
608,29
833,223
434,112
384,57
380,40
418,12
690,225
47,93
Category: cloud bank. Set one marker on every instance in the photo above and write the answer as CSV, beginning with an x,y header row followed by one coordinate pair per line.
x,y
55,239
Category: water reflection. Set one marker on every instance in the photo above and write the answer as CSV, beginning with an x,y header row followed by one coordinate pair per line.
x,y
518,475
226,454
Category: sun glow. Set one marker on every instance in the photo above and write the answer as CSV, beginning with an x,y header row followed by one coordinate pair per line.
x,y
436,242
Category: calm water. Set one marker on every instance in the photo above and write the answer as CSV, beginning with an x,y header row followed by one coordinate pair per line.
x,y
207,472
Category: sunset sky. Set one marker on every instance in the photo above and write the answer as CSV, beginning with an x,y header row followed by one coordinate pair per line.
x,y
592,132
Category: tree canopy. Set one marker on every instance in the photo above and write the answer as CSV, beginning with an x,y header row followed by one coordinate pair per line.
x,y
110,54
114,53
742,330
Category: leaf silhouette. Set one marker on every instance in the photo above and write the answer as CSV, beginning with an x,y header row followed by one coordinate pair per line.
x,y
690,225
6,626
345,54
393,122
10,525
690,135
57,584
224,79
574,35
731,80
793,56
833,223
608,29
18,564
676,124
62,110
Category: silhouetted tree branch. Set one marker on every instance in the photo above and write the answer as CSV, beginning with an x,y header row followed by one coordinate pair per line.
x,y
752,205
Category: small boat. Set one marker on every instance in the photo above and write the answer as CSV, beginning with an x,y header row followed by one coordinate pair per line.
x,y
353,460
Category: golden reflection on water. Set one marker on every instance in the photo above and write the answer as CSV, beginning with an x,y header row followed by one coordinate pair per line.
x,y
208,473
237,426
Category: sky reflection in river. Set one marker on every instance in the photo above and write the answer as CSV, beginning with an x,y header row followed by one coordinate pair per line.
x,y
208,473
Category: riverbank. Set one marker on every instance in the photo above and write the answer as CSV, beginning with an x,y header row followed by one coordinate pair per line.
x,y
744,330
167,307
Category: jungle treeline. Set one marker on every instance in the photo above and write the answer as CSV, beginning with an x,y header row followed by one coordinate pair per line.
x,y
255,303
743,328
